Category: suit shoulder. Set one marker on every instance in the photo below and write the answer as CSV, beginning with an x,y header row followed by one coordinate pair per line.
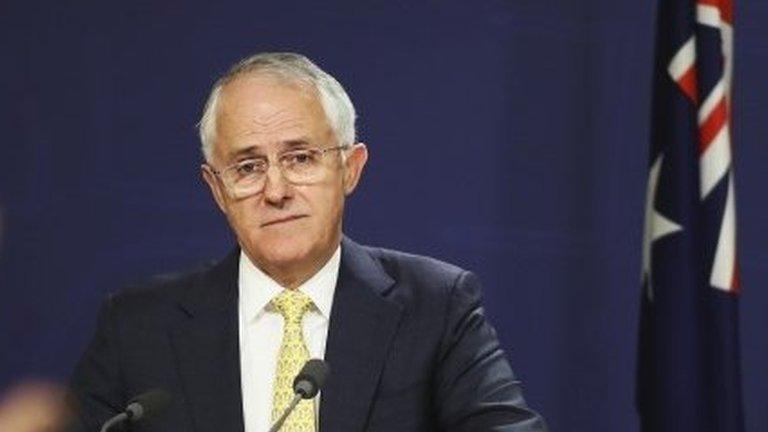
x,y
158,291
421,268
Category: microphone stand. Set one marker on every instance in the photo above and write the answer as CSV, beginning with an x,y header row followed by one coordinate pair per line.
x,y
114,420
279,423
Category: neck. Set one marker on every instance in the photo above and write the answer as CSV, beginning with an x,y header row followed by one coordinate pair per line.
x,y
292,276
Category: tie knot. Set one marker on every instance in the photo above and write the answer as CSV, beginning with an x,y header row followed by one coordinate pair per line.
x,y
292,304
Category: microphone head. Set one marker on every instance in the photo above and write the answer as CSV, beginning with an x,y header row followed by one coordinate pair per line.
x,y
148,404
311,378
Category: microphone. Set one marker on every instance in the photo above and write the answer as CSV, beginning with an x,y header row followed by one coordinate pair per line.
x,y
311,378
306,385
143,406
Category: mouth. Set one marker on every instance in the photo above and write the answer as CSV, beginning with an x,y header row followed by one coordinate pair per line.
x,y
282,220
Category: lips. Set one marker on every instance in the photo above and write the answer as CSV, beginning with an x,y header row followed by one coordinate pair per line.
x,y
282,220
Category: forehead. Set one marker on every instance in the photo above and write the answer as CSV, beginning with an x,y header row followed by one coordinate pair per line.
x,y
263,112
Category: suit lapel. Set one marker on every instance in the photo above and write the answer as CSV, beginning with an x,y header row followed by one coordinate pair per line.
x,y
363,323
207,349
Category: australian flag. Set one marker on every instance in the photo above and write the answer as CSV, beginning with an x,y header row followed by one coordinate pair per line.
x,y
688,365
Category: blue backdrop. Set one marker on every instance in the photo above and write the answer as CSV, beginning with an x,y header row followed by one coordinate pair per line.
x,y
509,137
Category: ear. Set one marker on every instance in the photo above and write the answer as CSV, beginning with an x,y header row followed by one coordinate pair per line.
x,y
354,164
215,186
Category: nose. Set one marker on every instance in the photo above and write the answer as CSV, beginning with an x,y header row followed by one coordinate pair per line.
x,y
277,190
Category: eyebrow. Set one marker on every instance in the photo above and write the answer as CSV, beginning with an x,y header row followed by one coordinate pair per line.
x,y
248,151
294,143
285,145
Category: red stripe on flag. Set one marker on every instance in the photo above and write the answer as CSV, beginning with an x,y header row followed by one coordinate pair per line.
x,y
735,280
687,83
712,126
725,7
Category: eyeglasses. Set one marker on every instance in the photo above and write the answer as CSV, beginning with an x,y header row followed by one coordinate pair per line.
x,y
301,166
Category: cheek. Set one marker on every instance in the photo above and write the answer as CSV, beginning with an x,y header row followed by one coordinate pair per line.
x,y
242,217
329,207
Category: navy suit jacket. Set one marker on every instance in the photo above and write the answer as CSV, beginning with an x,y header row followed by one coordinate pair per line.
x,y
409,347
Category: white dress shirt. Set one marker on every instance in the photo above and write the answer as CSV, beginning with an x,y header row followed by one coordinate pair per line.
x,y
261,333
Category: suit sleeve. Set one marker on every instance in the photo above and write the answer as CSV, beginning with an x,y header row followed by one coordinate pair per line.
x,y
96,383
476,389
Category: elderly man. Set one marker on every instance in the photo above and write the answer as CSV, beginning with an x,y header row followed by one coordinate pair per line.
x,y
405,336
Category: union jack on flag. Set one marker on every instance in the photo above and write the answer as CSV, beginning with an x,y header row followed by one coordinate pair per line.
x,y
688,359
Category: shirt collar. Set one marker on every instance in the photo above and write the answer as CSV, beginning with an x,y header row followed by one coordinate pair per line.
x,y
257,289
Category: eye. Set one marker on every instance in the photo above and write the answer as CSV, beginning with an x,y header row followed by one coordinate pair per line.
x,y
302,157
249,166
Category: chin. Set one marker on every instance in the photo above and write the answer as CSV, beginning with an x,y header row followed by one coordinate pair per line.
x,y
282,250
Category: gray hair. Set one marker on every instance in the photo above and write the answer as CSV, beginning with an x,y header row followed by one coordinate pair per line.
x,y
336,104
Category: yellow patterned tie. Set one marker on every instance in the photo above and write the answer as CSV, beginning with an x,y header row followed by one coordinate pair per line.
x,y
292,304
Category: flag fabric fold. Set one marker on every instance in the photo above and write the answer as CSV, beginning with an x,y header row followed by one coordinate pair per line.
x,y
688,376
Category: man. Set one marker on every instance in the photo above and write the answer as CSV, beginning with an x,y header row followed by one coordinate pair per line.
x,y
405,336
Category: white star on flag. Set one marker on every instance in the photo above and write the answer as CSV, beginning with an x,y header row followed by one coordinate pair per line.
x,y
656,224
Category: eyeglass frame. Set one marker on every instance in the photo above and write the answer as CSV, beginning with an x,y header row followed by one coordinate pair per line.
x,y
229,187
